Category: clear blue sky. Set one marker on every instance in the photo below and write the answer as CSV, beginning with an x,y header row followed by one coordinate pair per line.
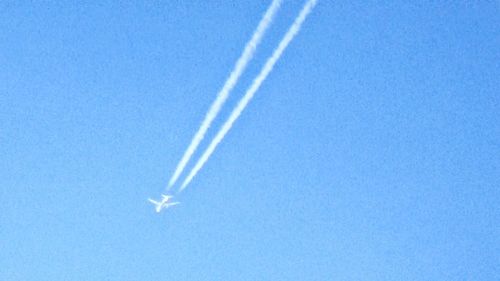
x,y
371,152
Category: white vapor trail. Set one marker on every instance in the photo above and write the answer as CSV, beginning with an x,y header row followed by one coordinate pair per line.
x,y
223,94
294,29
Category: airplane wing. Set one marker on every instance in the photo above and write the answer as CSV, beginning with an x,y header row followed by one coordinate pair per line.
x,y
171,204
153,201
163,204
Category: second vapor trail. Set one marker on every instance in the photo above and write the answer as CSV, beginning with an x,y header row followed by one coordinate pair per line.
x,y
268,67
223,94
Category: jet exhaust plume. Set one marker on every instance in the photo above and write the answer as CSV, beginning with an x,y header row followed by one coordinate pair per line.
x,y
223,94
268,67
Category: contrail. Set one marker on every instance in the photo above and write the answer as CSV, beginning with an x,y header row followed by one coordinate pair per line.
x,y
223,94
294,29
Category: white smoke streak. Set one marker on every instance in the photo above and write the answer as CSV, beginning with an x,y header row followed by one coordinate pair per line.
x,y
223,94
294,29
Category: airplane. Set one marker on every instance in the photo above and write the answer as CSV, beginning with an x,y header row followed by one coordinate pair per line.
x,y
163,204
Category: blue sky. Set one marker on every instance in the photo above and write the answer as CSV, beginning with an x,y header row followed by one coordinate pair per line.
x,y
371,152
